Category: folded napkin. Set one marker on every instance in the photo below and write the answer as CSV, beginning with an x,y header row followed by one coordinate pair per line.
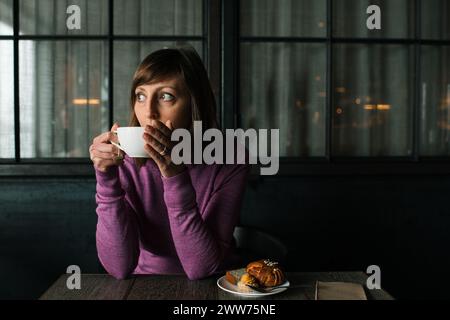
x,y
339,291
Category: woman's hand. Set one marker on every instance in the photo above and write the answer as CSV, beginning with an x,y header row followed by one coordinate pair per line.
x,y
158,146
103,154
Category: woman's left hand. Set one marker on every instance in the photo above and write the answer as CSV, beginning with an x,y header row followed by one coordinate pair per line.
x,y
158,146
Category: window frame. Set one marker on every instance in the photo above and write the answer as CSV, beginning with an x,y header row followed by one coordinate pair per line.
x,y
221,50
350,165
18,166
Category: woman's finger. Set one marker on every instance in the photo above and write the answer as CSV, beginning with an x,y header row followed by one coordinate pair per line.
x,y
161,127
156,134
155,144
113,137
156,156
106,147
114,127
105,138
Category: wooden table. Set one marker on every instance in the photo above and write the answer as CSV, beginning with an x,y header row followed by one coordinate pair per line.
x,y
178,287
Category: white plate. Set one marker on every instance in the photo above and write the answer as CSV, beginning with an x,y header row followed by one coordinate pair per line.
x,y
231,288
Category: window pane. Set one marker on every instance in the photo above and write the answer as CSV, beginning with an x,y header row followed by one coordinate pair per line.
x,y
283,87
51,17
435,19
350,19
7,149
435,102
158,17
373,100
124,69
6,17
63,97
301,18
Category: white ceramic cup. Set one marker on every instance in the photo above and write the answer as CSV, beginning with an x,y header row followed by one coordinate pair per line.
x,y
131,141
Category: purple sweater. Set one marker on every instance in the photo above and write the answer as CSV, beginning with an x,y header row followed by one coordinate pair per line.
x,y
148,224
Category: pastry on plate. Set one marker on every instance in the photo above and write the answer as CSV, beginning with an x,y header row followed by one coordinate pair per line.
x,y
267,272
248,280
261,273
234,276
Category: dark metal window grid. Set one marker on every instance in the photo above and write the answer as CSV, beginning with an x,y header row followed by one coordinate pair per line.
x,y
330,40
221,21
110,38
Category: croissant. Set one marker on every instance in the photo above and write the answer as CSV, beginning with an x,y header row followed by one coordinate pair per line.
x,y
267,272
248,280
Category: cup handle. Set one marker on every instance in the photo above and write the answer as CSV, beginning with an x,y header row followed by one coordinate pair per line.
x,y
116,144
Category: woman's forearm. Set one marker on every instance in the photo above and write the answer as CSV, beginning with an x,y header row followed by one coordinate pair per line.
x,y
202,239
116,235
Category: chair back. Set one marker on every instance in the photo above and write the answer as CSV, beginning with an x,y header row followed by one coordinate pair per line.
x,y
253,244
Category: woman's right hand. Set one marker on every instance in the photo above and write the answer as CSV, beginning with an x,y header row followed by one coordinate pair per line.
x,y
104,154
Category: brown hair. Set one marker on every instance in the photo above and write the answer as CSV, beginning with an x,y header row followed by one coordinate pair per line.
x,y
172,62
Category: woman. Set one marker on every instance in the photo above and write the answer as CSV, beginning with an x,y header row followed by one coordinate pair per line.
x,y
155,217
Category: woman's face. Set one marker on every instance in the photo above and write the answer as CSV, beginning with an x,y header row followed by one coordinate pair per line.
x,y
164,100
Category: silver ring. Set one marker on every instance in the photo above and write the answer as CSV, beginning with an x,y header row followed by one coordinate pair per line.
x,y
163,153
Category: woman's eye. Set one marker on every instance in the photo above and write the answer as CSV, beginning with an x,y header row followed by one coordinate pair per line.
x,y
140,97
167,97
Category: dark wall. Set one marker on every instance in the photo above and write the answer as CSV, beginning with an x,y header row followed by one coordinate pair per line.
x,y
45,226
400,223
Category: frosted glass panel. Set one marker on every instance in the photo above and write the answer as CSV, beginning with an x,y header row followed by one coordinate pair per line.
x,y
435,101
397,18
63,97
7,149
6,17
158,17
49,17
286,18
373,100
282,86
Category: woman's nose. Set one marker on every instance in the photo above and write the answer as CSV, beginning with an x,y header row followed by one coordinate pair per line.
x,y
154,114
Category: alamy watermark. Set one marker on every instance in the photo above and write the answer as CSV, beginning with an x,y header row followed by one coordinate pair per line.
x,y
374,280
74,280
73,22
374,20
256,142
